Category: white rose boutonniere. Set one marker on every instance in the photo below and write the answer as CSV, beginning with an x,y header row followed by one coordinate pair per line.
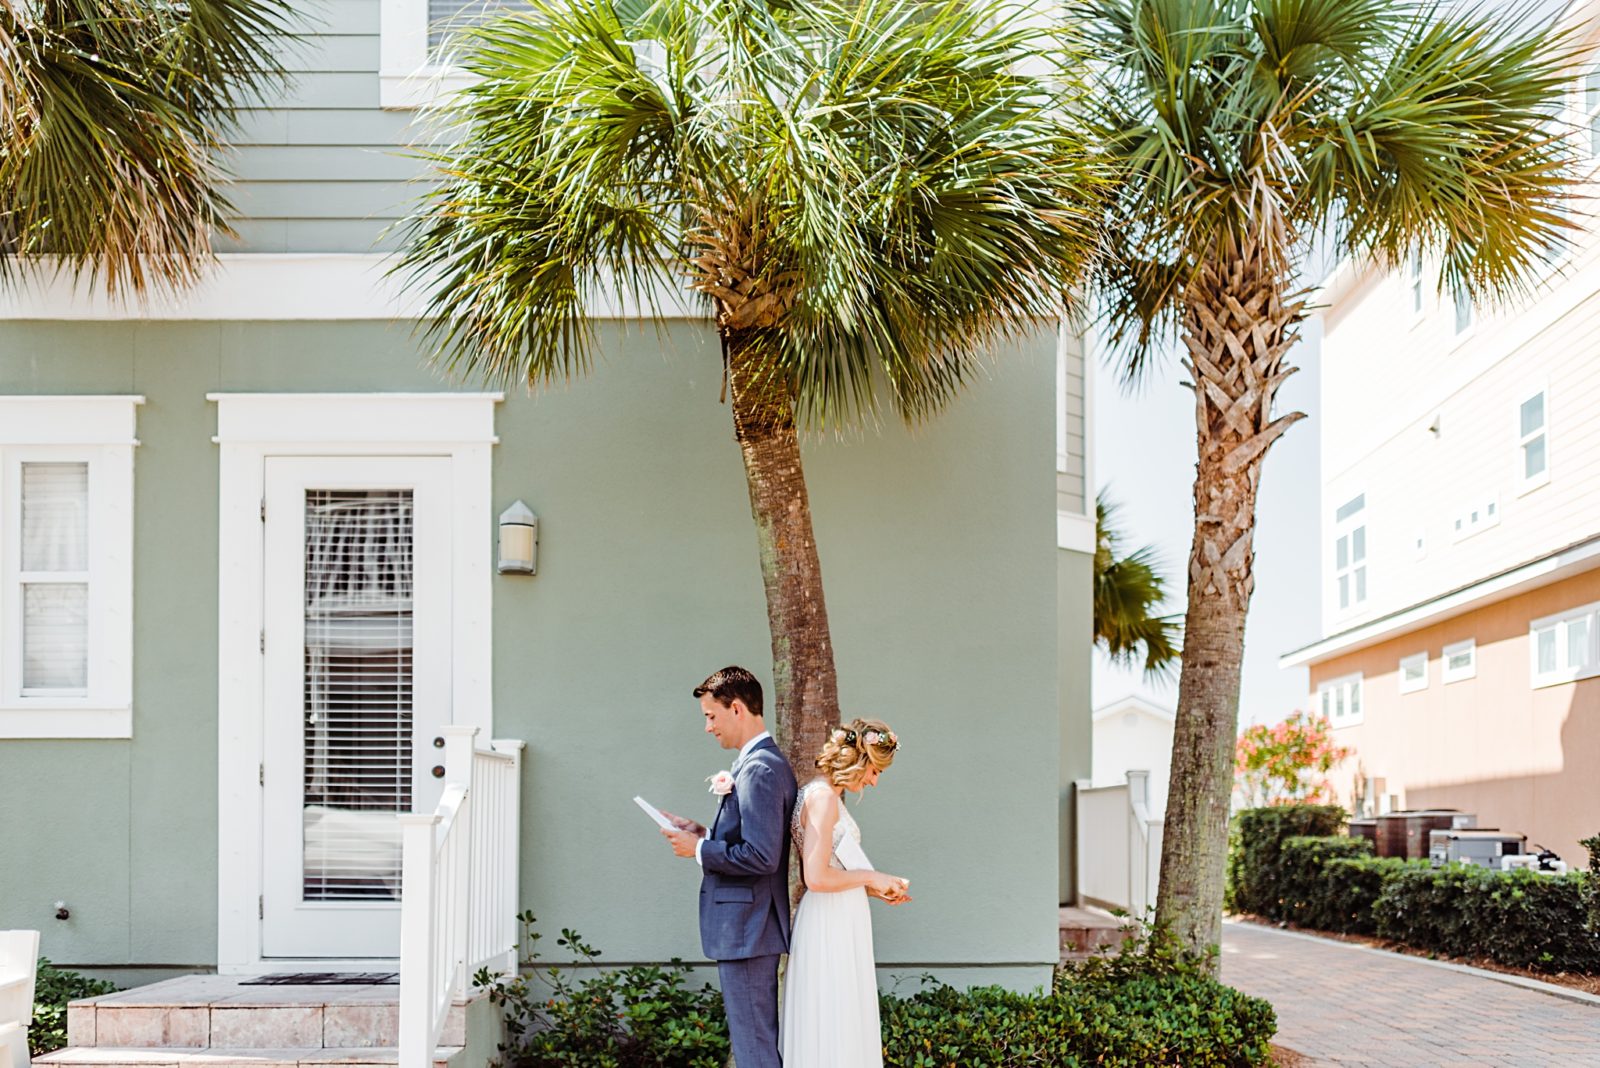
x,y
721,783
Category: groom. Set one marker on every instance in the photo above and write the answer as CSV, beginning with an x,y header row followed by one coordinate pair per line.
x,y
744,857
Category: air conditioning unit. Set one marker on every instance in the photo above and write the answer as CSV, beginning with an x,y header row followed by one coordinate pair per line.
x,y
1481,847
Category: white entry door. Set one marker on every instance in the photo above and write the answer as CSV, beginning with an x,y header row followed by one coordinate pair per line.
x,y
356,649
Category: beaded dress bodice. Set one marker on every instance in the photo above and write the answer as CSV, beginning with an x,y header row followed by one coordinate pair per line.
x,y
846,824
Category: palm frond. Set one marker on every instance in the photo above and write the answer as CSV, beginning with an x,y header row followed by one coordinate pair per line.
x,y
1394,126
112,130
873,194
1127,591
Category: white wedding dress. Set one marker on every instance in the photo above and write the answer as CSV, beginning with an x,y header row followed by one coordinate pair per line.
x,y
830,999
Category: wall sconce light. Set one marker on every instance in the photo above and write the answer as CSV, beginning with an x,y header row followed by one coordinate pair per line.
x,y
519,541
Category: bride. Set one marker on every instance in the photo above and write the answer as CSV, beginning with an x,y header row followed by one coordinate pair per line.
x,y
830,1005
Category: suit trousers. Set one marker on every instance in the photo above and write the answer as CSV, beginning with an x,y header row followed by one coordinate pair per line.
x,y
750,998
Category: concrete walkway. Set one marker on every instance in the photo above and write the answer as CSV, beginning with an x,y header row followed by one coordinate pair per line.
x,y
1340,1004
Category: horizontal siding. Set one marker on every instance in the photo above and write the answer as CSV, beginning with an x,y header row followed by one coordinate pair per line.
x,y
1071,479
1386,377
318,165
336,18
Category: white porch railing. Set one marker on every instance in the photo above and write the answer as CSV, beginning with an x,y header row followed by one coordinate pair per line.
x,y
458,898
1119,845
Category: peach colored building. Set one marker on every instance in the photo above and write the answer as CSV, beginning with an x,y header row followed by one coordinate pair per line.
x,y
1460,555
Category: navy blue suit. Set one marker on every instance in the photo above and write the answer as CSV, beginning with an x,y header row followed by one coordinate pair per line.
x,y
744,899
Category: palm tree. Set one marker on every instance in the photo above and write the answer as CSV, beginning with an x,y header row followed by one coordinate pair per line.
x,y
1127,591
112,119
1241,131
867,197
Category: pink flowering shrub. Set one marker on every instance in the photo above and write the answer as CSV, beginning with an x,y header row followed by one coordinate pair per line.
x,y
1286,763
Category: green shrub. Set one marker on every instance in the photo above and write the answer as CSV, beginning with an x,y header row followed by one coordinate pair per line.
x,y
636,1017
1519,918
1145,1006
1352,886
1591,888
53,988
1148,1005
1253,869
1306,897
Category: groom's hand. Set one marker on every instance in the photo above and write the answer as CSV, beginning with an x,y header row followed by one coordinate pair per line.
x,y
683,842
685,825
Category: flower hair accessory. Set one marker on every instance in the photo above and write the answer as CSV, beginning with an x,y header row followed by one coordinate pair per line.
x,y
876,739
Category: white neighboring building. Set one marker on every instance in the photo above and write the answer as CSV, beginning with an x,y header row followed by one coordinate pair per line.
x,y
1134,734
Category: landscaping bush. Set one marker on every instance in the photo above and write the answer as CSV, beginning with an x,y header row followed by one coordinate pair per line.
x,y
1253,862
53,988
637,1017
1145,1006
1148,1005
1591,888
1352,886
1518,918
1306,896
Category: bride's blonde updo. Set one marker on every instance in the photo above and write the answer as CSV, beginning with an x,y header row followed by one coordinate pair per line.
x,y
853,748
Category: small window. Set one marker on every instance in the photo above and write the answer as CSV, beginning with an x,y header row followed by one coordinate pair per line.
x,y
1341,700
1414,281
1533,442
1463,311
1350,553
1414,673
1460,661
1564,647
1475,518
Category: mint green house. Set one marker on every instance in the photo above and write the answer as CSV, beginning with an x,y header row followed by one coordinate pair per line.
x,y
249,594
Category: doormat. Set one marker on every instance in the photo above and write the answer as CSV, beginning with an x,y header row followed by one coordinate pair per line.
x,y
326,979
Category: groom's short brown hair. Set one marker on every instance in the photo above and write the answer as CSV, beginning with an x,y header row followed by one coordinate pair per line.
x,y
733,684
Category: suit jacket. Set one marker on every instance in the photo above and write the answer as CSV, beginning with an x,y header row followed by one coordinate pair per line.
x,y
744,882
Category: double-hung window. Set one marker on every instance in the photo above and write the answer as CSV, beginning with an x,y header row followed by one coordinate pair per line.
x,y
1533,441
1350,552
1339,700
1414,283
66,566
1564,647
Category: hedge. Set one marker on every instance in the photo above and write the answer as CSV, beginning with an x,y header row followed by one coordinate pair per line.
x,y
1146,1020
1519,918
1147,1005
1254,869
1333,883
1150,1004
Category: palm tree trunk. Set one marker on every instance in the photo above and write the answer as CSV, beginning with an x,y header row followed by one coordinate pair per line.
x,y
805,700
1237,329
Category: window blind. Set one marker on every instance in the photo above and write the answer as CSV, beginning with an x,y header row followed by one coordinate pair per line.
x,y
445,16
55,588
358,691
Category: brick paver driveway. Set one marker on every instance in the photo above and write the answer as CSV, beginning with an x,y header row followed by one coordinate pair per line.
x,y
1340,1004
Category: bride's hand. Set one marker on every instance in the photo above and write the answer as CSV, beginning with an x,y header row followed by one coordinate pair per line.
x,y
891,888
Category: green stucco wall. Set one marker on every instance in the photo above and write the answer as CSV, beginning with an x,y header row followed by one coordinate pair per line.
x,y
1075,645
942,575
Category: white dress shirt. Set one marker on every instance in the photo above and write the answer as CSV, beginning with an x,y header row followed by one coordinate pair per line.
x,y
744,751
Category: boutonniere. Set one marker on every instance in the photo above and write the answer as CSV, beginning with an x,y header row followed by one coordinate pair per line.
x,y
721,783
